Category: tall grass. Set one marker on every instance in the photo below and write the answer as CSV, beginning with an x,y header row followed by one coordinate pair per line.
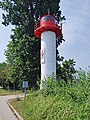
x,y
57,101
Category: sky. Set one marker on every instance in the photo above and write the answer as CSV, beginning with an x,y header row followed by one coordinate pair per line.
x,y
76,32
5,33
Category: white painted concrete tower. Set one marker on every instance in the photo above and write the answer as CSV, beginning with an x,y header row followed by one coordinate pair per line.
x,y
48,54
47,31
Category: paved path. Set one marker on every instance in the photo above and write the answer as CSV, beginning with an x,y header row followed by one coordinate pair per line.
x,y
5,111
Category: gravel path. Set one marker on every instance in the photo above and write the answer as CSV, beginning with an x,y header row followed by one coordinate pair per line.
x,y
5,111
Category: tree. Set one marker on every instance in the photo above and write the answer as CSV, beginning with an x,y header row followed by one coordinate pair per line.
x,y
4,70
66,70
24,50
3,74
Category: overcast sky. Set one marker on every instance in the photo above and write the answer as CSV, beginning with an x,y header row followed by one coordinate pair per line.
x,y
76,32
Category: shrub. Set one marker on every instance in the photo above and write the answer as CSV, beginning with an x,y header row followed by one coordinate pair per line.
x,y
52,86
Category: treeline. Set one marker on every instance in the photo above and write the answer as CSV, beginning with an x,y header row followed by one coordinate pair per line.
x,y
65,73
5,82
4,69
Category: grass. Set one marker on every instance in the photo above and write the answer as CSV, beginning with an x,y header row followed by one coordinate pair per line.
x,y
70,103
9,92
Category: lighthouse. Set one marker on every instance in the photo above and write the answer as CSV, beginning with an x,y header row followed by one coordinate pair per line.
x,y
47,30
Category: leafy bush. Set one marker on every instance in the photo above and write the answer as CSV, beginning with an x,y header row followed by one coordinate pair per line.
x,y
52,85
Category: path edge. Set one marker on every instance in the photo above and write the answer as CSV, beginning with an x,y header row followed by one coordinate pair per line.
x,y
14,111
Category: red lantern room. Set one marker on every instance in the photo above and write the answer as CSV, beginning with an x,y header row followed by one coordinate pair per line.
x,y
47,23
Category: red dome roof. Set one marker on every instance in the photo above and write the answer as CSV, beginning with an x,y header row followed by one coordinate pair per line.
x,y
47,23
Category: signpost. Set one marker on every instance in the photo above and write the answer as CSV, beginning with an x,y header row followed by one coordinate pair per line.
x,y
25,85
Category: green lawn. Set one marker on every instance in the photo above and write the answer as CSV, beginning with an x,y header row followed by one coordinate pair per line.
x,y
9,92
72,103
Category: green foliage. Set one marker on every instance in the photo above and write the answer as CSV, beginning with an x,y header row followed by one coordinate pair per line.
x,y
81,74
23,60
2,65
51,86
66,70
4,71
71,103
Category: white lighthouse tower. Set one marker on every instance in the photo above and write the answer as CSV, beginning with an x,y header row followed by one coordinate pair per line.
x,y
47,30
